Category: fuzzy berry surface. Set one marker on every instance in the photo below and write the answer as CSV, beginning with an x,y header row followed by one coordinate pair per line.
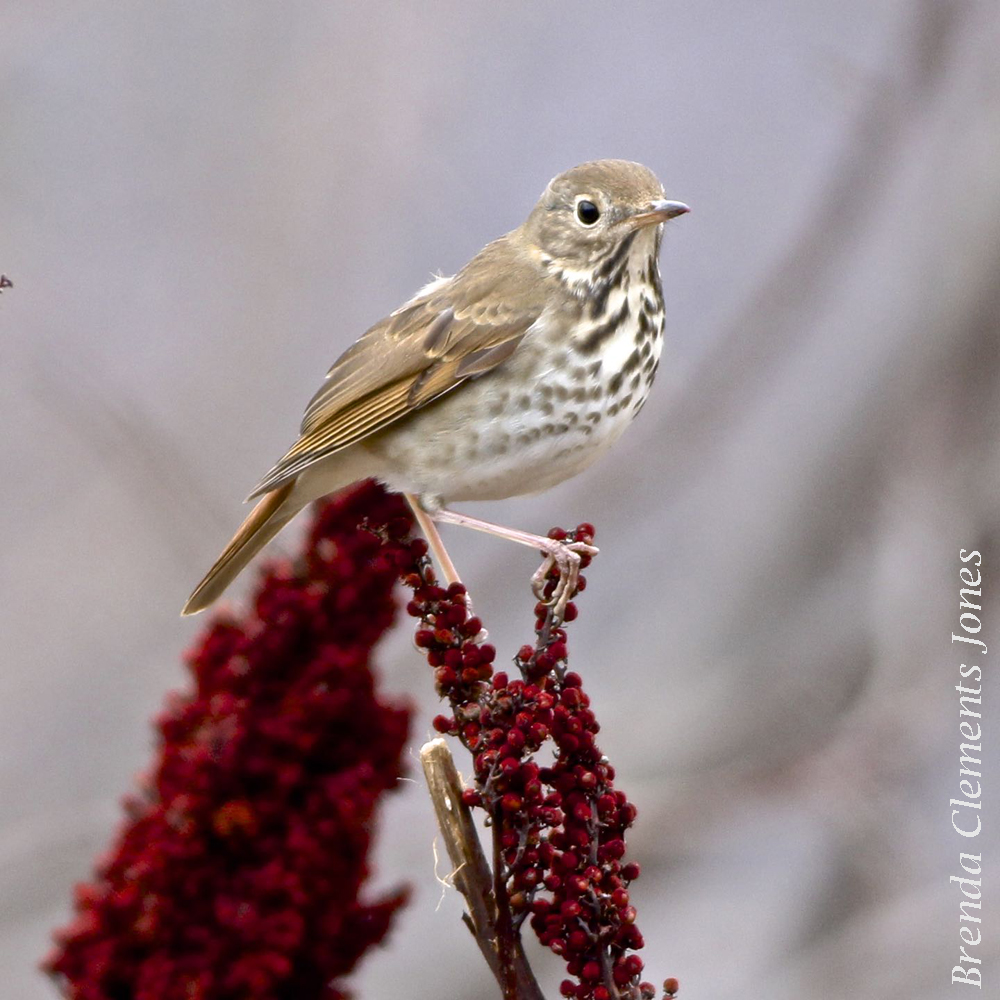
x,y
239,871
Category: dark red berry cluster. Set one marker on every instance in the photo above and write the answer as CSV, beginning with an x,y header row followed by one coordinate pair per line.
x,y
237,874
559,830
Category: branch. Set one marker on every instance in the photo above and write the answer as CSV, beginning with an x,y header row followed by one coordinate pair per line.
x,y
472,876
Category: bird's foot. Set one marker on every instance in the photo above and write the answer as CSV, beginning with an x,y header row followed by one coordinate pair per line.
x,y
567,558
557,579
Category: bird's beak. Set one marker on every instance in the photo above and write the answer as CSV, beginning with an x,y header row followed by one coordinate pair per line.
x,y
658,211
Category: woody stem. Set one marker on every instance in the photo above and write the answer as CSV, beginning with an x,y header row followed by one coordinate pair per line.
x,y
485,893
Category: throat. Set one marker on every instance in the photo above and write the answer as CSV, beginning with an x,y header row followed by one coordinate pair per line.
x,y
622,315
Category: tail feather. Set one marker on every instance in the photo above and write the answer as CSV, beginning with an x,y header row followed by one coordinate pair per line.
x,y
266,519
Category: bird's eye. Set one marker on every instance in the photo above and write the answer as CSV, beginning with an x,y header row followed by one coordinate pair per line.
x,y
587,212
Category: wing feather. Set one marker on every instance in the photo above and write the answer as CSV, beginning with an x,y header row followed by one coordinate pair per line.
x,y
456,329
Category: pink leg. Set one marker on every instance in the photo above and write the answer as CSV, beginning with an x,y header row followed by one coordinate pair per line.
x,y
429,530
564,555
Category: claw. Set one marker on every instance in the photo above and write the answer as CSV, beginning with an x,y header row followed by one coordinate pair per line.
x,y
541,576
566,557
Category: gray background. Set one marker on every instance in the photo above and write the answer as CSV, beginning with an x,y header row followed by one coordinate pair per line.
x,y
201,205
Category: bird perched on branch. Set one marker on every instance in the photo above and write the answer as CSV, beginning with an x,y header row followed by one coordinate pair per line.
x,y
505,379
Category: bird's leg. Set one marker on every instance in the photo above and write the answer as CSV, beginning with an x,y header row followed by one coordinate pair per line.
x,y
564,555
429,530
436,544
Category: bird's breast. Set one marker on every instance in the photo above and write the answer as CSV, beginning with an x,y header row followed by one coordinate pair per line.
x,y
566,395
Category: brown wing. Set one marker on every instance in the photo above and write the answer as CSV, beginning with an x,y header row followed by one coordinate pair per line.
x,y
456,329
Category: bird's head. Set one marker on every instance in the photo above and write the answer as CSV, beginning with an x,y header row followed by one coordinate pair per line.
x,y
586,213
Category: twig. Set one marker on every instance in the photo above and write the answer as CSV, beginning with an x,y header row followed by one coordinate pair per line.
x,y
504,931
472,876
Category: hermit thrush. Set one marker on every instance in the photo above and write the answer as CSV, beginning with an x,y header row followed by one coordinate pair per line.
x,y
505,379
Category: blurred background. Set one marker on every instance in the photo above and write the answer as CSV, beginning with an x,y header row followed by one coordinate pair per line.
x,y
202,205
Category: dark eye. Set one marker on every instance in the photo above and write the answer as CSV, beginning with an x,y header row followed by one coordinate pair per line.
x,y
587,212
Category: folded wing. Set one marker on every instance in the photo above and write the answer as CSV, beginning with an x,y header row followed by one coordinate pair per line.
x,y
457,329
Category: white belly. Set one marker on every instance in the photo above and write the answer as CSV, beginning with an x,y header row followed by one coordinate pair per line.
x,y
488,441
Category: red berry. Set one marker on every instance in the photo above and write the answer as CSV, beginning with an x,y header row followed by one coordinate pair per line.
x,y
538,732
613,849
634,964
544,662
445,676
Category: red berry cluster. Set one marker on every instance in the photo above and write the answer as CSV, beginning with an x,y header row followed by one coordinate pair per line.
x,y
559,830
238,872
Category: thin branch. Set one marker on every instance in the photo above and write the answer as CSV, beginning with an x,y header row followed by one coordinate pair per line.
x,y
472,876
504,924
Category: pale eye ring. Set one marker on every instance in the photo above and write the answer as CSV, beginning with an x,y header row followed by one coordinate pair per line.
x,y
587,212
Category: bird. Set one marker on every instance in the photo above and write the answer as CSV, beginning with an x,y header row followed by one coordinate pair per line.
x,y
505,379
